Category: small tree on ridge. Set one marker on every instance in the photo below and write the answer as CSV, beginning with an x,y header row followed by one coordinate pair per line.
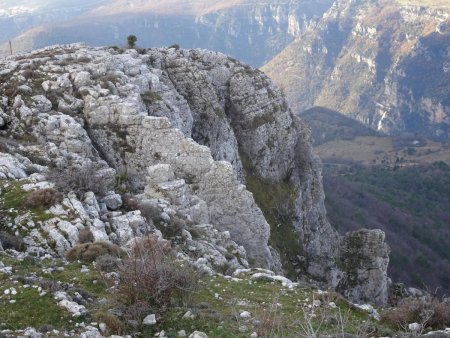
x,y
131,40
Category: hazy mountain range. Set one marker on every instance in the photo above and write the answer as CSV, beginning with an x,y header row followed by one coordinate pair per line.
x,y
252,31
380,62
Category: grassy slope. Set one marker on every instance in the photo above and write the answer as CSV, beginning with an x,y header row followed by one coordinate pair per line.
x,y
270,197
275,309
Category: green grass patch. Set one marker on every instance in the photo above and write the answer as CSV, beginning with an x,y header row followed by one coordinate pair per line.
x,y
261,120
12,204
276,201
11,194
32,310
91,281
275,310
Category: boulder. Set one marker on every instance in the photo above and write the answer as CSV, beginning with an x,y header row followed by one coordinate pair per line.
x,y
113,201
364,257
82,79
198,334
149,320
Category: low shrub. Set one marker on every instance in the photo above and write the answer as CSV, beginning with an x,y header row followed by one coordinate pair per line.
x,y
11,242
107,263
153,245
175,45
27,73
81,180
428,311
151,278
50,285
129,203
89,252
151,212
85,236
170,229
114,325
42,198
138,309
150,97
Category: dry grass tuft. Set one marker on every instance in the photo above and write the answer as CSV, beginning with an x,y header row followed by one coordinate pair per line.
x,y
427,311
44,198
85,236
89,252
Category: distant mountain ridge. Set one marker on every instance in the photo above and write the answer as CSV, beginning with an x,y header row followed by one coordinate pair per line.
x,y
251,31
168,6
381,63
329,125
16,17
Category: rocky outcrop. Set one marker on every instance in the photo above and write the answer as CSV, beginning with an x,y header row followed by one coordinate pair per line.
x,y
186,129
364,256
381,63
201,192
242,117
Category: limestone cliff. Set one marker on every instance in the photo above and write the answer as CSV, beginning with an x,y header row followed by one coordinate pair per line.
x,y
186,129
380,62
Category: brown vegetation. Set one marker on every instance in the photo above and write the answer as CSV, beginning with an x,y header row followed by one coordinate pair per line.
x,y
427,311
89,252
107,263
129,203
44,198
85,236
151,278
80,180
114,325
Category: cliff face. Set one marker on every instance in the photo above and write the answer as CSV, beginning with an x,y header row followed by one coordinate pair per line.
x,y
379,62
186,128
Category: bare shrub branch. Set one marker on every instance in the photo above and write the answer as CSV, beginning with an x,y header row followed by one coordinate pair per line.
x,y
151,277
81,180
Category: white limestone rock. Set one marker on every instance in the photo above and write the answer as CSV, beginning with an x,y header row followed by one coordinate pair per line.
x,y
91,206
149,320
81,79
198,334
113,201
11,167
41,104
75,309
127,225
414,327
98,230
